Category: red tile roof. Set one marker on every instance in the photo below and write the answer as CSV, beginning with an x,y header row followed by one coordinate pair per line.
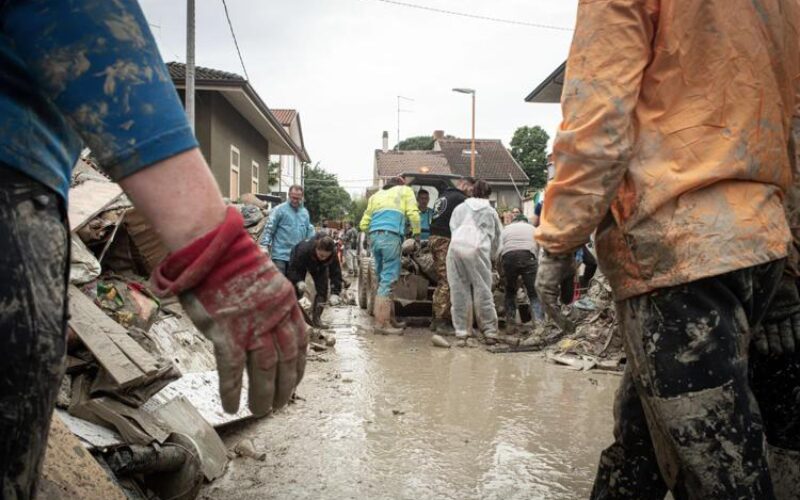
x,y
392,163
284,116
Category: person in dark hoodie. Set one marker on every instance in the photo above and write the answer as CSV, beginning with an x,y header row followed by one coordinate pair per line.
x,y
316,256
448,200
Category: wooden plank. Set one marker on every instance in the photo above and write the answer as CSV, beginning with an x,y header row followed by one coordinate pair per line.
x,y
119,336
92,326
141,358
89,199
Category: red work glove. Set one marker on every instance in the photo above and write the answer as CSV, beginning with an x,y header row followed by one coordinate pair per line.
x,y
235,295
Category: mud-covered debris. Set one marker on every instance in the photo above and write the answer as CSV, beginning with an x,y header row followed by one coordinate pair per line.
x,y
439,341
245,448
317,347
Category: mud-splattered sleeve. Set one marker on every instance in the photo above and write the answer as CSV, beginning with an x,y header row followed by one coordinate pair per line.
x,y
97,61
610,50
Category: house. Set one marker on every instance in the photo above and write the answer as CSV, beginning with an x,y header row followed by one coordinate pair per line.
x,y
493,163
235,128
291,166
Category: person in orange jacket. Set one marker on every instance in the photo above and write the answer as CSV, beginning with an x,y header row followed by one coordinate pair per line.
x,y
675,149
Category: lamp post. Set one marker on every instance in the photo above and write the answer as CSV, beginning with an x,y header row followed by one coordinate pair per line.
x,y
472,149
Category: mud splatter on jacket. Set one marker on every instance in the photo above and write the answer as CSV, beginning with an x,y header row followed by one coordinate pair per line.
x,y
677,119
84,72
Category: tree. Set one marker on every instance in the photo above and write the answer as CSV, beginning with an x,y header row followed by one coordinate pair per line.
x,y
418,143
529,148
359,206
325,198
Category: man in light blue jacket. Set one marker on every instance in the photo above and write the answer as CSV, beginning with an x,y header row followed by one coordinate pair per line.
x,y
288,225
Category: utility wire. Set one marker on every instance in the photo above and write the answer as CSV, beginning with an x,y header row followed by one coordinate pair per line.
x,y
235,42
475,16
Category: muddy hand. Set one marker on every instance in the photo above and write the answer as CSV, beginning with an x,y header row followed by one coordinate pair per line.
x,y
553,269
235,295
780,333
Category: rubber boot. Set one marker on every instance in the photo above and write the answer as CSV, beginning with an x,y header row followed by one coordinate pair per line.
x,y
442,327
316,316
383,317
393,319
511,325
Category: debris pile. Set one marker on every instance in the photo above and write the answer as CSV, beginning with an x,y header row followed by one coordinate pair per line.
x,y
140,393
596,342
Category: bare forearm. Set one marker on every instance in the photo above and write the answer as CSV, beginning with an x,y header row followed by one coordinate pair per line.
x,y
179,198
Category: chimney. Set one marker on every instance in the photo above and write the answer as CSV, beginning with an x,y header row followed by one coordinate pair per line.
x,y
438,134
385,141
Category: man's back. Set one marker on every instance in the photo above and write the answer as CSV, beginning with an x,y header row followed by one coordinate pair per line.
x,y
518,236
686,105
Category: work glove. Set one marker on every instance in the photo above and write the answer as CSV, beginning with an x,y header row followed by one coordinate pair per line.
x,y
334,300
553,270
780,331
301,288
237,297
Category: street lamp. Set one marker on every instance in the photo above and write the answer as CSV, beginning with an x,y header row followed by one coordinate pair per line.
x,y
472,149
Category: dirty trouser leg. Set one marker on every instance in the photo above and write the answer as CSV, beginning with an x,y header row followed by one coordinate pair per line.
x,y
282,266
522,263
441,296
628,468
485,311
33,277
687,352
776,384
511,271
386,249
460,294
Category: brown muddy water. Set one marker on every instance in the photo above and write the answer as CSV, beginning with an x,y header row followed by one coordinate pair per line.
x,y
394,417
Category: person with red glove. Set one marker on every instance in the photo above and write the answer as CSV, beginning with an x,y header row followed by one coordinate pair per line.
x,y
88,74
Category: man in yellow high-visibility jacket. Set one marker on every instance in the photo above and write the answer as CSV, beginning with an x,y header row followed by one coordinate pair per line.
x,y
385,220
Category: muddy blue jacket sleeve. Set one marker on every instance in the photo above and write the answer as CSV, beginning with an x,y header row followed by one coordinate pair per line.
x,y
98,63
272,226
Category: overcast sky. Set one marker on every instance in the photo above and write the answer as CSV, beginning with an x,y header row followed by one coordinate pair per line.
x,y
342,64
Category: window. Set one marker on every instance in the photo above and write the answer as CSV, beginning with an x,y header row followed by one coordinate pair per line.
x,y
254,178
235,158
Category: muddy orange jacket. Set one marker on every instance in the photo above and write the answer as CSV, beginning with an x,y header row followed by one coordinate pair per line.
x,y
675,137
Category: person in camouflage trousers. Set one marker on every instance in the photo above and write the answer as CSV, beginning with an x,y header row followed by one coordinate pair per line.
x,y
448,200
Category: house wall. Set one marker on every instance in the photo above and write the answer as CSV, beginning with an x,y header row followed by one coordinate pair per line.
x,y
505,197
229,128
202,120
218,126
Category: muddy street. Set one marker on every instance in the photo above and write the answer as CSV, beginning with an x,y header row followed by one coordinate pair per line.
x,y
394,417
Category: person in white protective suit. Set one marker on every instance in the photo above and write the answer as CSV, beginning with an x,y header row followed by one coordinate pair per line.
x,y
476,230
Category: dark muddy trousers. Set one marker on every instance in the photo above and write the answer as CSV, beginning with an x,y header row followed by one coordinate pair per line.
x,y
516,264
33,277
691,412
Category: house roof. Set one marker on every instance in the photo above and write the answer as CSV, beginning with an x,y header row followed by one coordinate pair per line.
x,y
493,162
394,163
285,116
178,72
549,91
246,101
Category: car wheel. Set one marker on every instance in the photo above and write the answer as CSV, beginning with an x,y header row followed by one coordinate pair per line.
x,y
363,283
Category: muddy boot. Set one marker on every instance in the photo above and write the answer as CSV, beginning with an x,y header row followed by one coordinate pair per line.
x,y
511,325
393,318
383,317
316,316
442,327
490,339
461,341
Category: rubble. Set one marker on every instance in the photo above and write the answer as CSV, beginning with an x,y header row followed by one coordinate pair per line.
x,y
139,402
